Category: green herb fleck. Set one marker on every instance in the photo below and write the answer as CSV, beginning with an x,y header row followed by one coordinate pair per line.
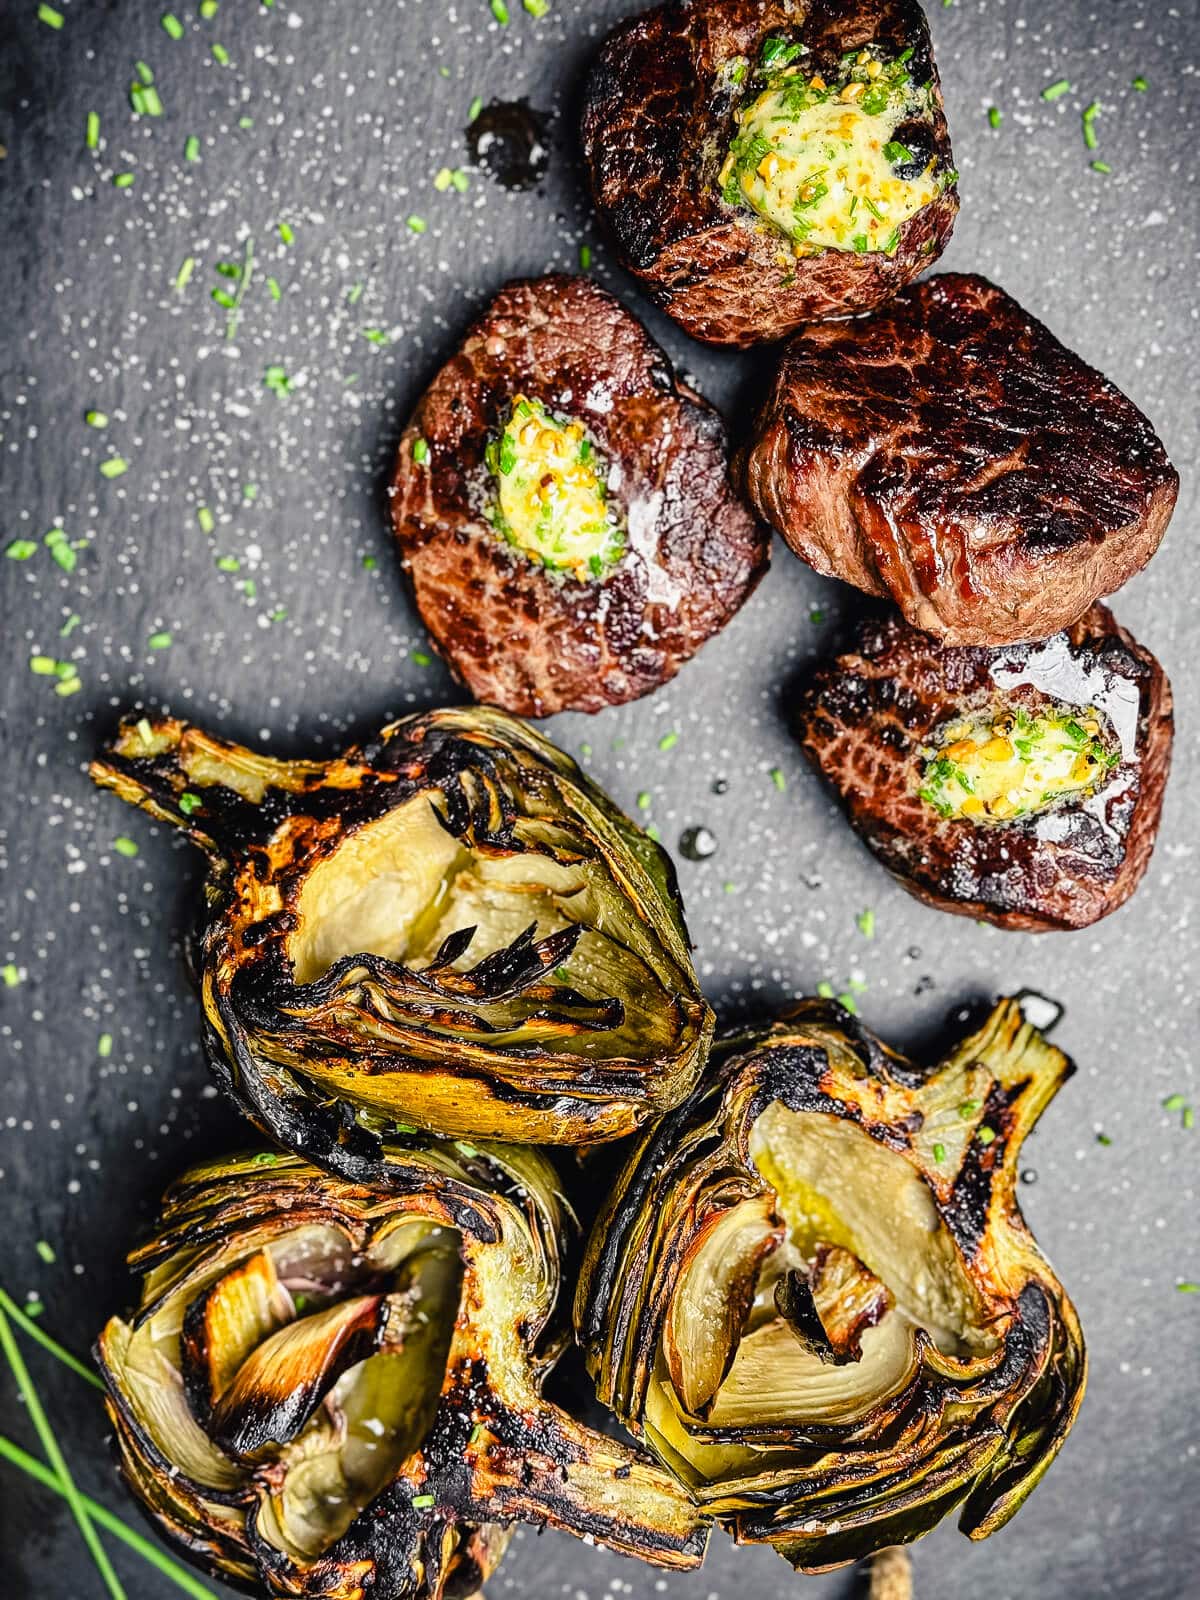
x,y
46,1252
21,549
995,116
1056,90
1174,1102
286,234
96,419
123,180
536,8
643,800
191,149
51,17
220,55
124,846
171,25
114,467
668,741
415,224
500,12
184,276
866,923
984,1134
422,1502
420,450
159,641
1101,167
1188,1288
104,1046
1104,1139
1140,84
10,974
208,9
777,778
92,136
474,108
939,1153
585,257
276,379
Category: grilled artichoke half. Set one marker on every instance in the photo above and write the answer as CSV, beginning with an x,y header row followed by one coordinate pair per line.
x,y
812,1293
331,1391
449,928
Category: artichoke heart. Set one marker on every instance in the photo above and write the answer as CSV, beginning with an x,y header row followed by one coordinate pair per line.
x,y
449,929
812,1295
333,1390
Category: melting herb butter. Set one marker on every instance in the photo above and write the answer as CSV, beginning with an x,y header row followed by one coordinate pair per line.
x,y
825,160
1005,764
551,494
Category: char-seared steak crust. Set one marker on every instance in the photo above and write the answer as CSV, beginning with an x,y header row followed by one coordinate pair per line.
x,y
535,642
950,454
865,716
657,121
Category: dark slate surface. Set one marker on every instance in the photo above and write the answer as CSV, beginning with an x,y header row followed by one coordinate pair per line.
x,y
350,110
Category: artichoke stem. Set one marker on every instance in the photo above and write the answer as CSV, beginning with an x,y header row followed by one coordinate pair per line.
x,y
890,1575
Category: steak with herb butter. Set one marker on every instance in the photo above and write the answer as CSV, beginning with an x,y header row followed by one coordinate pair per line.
x,y
766,163
564,509
1022,785
950,454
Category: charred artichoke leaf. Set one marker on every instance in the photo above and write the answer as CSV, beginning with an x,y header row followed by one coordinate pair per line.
x,y
449,928
812,1295
364,1408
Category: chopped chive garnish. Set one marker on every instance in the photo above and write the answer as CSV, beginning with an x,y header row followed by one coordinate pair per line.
x,y
354,294
1056,90
21,549
45,1252
995,116
114,467
171,25
420,658
191,148
92,136
1102,167
668,741
206,519
122,180
143,72
276,379
420,450
51,17
500,12
1104,1138
474,108
104,1046
273,289
939,1153
189,802
643,800
10,974
208,9
159,641
1188,1288
96,419
536,8
1174,1102
1140,84
777,778
375,335
124,846
865,922
984,1134
220,55
1089,116
415,224
422,1502
1189,1118
184,276
249,491
285,233
441,181
585,257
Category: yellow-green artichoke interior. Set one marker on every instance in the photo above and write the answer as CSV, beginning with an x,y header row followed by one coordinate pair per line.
x,y
398,886
730,1359
272,1310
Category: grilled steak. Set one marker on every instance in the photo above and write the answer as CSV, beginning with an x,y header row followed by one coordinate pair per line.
x,y
564,508
1053,832
673,90
950,454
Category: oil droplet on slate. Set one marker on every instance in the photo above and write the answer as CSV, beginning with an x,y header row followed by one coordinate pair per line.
x,y
697,844
720,786
1028,1175
507,140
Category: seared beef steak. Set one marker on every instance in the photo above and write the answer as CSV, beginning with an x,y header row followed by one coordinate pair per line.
x,y
951,454
911,734
679,179
564,508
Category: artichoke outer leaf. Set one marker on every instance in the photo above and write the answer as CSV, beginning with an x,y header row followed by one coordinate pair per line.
x,y
904,1347
448,928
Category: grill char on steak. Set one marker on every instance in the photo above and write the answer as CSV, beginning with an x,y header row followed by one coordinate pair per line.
x,y
518,636
657,121
865,716
950,454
